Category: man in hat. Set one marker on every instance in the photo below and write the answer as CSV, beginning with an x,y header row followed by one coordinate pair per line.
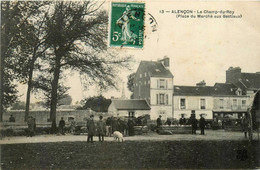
x,y
91,128
202,124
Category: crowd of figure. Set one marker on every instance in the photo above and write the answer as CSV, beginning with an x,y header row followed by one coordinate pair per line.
x,y
182,121
107,128
103,128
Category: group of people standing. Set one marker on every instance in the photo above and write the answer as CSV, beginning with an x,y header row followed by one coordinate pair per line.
x,y
192,121
100,128
118,124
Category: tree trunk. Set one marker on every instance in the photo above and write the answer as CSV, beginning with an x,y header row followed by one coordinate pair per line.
x,y
54,93
29,88
28,95
4,40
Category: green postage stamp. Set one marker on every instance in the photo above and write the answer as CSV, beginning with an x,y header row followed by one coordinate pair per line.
x,y
127,24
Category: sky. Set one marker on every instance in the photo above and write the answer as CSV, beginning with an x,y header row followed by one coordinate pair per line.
x,y
199,49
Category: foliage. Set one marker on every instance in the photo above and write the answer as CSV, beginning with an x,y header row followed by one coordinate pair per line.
x,y
15,27
96,103
130,83
77,33
66,100
18,106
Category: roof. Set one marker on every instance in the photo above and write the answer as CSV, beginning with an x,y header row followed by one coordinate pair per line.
x,y
134,104
155,68
251,80
225,89
193,90
218,89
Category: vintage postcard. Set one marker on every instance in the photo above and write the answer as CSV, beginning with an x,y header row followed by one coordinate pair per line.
x,y
129,84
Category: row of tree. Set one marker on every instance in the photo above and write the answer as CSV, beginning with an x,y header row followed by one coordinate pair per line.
x,y
40,40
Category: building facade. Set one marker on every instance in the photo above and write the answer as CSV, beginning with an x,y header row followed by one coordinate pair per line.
x,y
193,98
154,83
128,108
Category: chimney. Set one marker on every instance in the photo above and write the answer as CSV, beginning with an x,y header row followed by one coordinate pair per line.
x,y
233,74
201,84
166,62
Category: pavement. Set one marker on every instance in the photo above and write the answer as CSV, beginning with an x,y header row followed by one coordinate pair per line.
x,y
214,135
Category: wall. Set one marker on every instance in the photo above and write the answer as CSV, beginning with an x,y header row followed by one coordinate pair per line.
x,y
228,103
157,110
43,116
124,113
193,103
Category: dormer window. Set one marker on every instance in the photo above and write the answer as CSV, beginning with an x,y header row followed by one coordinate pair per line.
x,y
239,92
157,70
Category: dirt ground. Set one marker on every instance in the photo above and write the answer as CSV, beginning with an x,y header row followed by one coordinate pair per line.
x,y
217,150
218,135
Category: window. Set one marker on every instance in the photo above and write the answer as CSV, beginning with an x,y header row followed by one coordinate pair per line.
x,y
243,103
183,104
162,99
145,74
235,102
162,83
140,75
221,103
202,104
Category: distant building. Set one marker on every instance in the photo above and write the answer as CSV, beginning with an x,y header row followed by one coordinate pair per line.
x,y
129,108
229,100
197,98
249,83
154,83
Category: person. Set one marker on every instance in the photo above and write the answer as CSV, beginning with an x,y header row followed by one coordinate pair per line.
x,y
194,123
114,124
168,122
124,23
72,126
182,120
101,129
159,121
130,125
108,126
91,128
30,124
202,124
121,125
245,124
61,126
11,119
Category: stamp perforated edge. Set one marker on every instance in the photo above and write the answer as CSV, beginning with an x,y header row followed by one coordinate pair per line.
x,y
109,26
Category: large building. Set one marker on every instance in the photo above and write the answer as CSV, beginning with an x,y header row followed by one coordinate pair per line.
x,y
154,83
